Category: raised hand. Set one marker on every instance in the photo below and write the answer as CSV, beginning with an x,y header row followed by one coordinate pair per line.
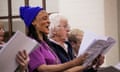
x,y
22,59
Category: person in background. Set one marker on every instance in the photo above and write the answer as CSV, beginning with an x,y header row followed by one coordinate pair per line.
x,y
2,33
75,38
43,58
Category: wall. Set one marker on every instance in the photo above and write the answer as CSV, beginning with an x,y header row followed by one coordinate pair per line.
x,y
52,6
111,29
84,14
119,25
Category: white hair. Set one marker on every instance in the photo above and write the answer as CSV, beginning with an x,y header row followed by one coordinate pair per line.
x,y
54,22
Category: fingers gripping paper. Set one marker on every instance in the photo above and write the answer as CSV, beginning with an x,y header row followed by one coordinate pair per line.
x,y
19,41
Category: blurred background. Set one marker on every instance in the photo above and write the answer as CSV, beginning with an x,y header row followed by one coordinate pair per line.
x,y
99,16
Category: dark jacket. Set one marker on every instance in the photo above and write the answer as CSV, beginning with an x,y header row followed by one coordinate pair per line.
x,y
62,54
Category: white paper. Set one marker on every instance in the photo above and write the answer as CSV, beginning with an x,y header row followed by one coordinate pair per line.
x,y
8,53
94,45
88,39
117,66
109,44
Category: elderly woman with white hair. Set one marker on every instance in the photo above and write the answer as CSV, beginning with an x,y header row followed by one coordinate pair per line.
x,y
58,35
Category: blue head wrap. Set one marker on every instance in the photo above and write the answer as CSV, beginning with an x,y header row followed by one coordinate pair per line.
x,y
28,14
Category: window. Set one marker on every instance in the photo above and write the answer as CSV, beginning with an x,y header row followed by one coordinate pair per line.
x,y
9,14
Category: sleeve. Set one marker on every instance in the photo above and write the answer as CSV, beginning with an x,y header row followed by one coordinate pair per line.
x,y
36,59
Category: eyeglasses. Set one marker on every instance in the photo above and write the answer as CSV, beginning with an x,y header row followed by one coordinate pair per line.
x,y
65,26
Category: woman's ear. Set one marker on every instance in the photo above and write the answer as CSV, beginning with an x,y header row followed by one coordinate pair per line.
x,y
34,23
54,33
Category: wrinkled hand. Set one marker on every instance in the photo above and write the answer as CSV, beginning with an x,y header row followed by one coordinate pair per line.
x,y
22,59
82,58
99,61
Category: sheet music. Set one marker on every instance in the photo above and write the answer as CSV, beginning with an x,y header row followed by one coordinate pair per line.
x,y
94,45
109,44
8,53
94,51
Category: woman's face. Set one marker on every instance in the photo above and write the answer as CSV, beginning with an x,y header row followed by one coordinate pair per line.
x,y
76,45
1,33
42,22
78,42
63,29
